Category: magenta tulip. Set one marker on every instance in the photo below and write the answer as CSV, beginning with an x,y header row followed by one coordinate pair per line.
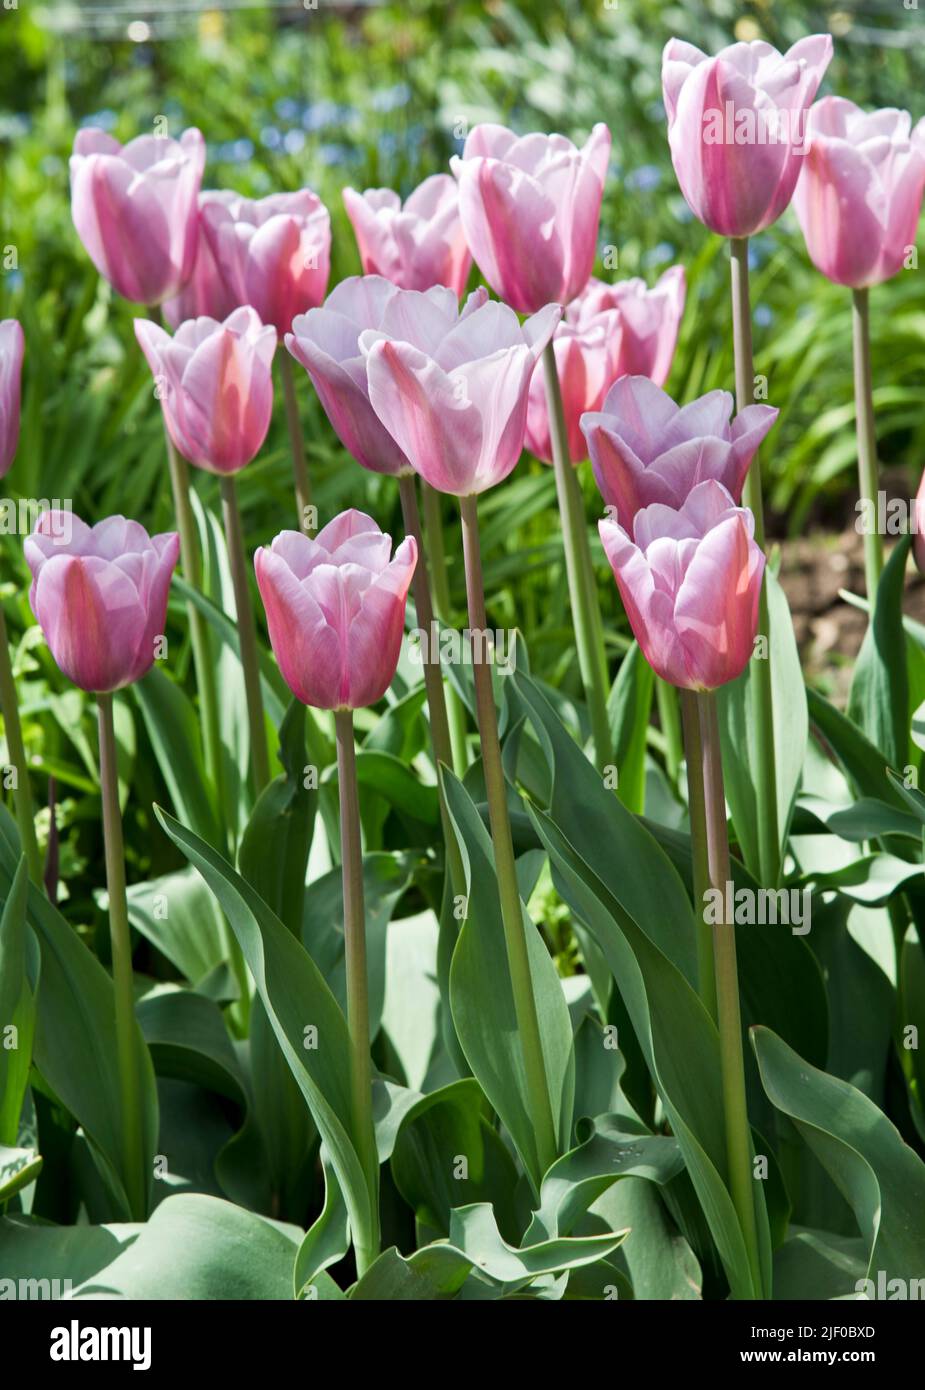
x,y
134,207
737,127
649,320
215,382
336,609
100,596
451,388
644,448
586,363
918,528
690,581
860,193
205,292
274,254
530,208
326,342
12,346
415,245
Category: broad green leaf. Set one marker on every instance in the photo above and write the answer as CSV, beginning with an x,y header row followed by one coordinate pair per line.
x,y
53,1260
863,763
474,1231
812,1265
326,1241
173,729
879,699
660,1263
628,709
179,916
433,1274
17,1007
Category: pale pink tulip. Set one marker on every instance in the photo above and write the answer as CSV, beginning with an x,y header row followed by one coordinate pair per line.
x,y
12,346
215,384
134,207
326,342
690,581
274,254
860,193
451,388
586,362
530,208
415,245
205,292
918,513
336,609
649,319
100,596
644,448
737,127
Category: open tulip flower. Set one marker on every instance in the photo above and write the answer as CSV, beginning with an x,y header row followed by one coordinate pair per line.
x,y
336,609
326,342
451,387
644,448
530,208
586,363
217,386
690,580
417,244
649,320
273,253
134,207
11,354
736,127
205,292
100,596
860,192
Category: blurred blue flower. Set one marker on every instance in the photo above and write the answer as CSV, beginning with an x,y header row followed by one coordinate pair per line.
x,y
240,151
323,114
764,315
332,154
13,280
287,109
103,120
660,254
656,111
645,178
271,138
390,98
293,141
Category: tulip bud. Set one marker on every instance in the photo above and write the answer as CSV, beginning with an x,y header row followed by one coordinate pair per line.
x,y
690,581
336,609
11,354
415,246
100,596
134,208
217,386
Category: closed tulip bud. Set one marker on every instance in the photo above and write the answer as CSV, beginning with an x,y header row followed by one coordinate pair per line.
x,y
336,609
451,388
11,354
646,449
205,293
736,127
586,363
215,381
416,245
690,580
134,207
649,321
860,193
327,343
530,208
100,596
274,254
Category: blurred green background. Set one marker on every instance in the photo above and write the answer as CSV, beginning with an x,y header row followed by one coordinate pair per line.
x,y
371,94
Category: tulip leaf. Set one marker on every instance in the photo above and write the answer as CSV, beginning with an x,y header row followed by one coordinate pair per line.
x,y
879,699
179,916
864,764
174,733
17,1006
628,710
433,1274
53,1260
327,1240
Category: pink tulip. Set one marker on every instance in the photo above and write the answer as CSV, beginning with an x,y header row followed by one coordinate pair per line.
x,y
100,596
274,254
336,609
205,291
736,127
417,245
215,382
12,346
649,319
918,526
860,193
586,361
530,208
646,449
690,581
326,342
134,208
451,388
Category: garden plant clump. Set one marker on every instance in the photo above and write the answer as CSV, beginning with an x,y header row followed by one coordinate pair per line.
x,y
430,868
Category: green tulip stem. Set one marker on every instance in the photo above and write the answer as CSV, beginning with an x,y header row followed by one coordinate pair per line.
x,y
433,676
765,763
433,526
127,1059
586,613
366,1242
729,1023
868,473
303,493
22,800
693,749
247,633
528,1026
